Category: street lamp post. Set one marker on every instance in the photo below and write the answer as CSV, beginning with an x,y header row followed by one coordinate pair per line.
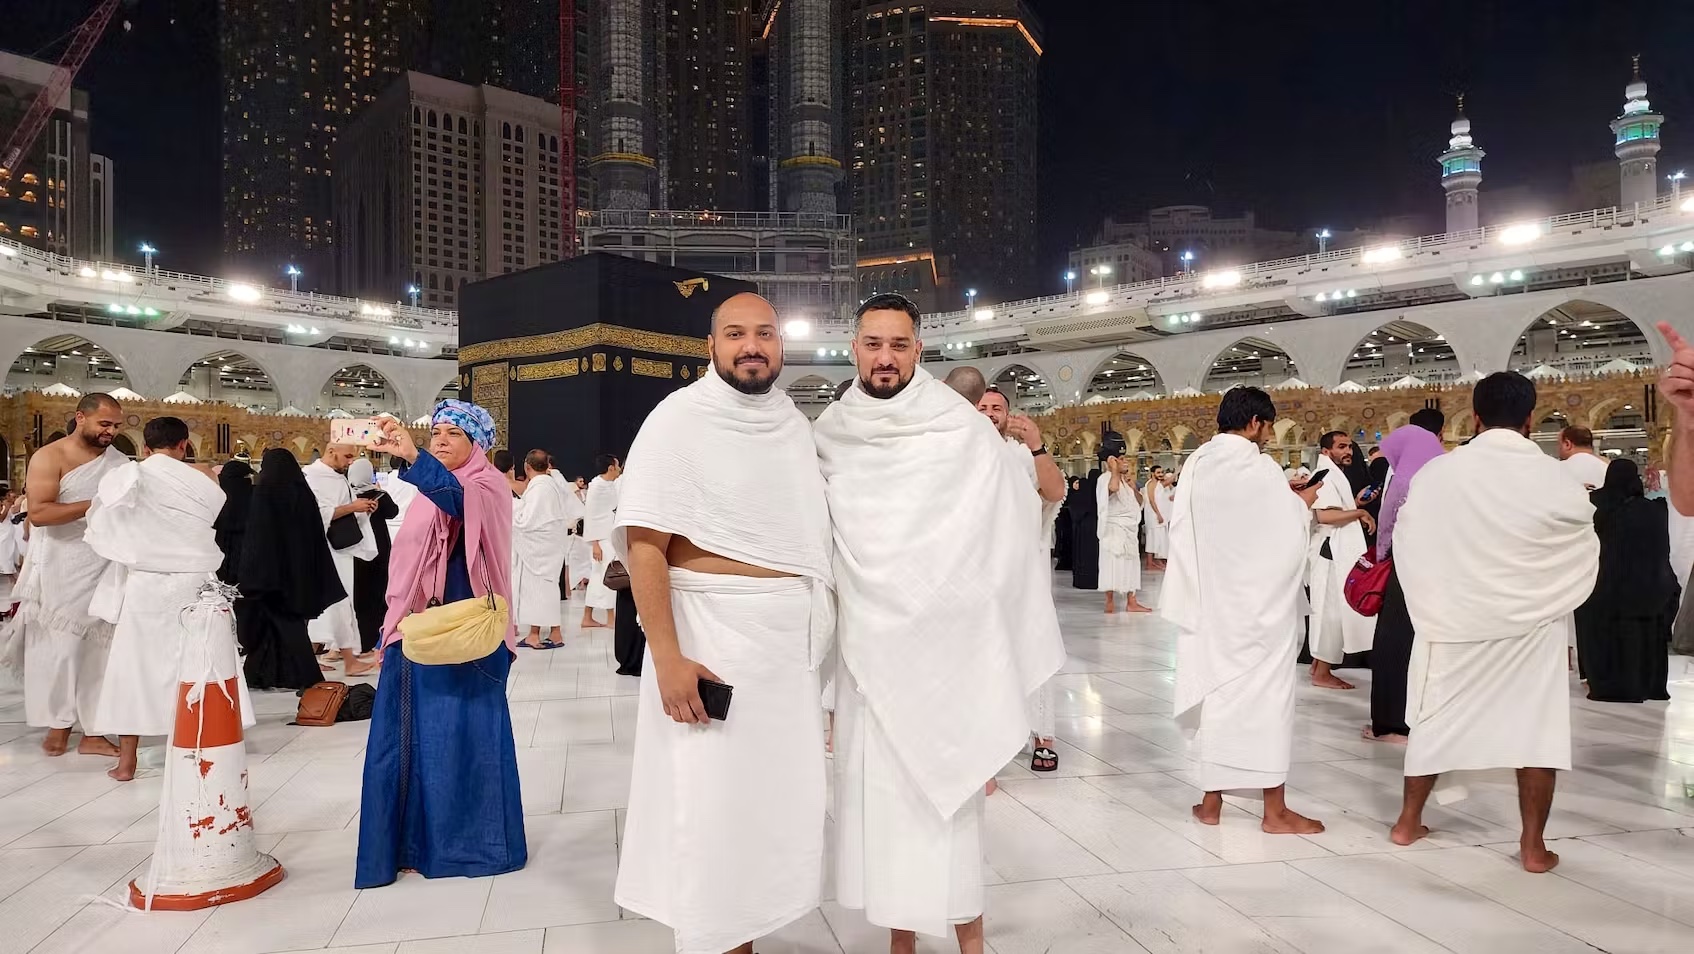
x,y
1676,185
1070,281
1323,241
293,273
413,292
147,252
970,299
1101,271
1187,261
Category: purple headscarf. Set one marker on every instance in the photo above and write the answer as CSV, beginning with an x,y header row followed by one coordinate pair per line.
x,y
1407,450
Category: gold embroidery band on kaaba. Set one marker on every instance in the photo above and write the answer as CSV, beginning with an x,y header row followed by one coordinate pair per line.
x,y
647,367
588,336
547,370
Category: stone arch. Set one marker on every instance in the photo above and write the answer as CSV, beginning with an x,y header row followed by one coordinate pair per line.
x,y
1027,387
349,379
1288,432
1253,360
1545,328
128,445
228,357
63,350
1382,355
1128,366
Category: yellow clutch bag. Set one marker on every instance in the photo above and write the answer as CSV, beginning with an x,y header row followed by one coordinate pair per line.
x,y
454,633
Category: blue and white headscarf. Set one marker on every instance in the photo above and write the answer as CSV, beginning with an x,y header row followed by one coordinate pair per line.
x,y
476,422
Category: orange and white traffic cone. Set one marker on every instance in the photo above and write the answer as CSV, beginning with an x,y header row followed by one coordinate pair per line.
x,y
205,853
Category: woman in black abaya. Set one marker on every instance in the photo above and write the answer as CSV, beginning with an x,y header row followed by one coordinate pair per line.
x,y
1623,631
370,577
236,479
287,577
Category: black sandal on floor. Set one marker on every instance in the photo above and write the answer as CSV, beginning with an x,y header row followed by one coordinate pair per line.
x,y
1044,759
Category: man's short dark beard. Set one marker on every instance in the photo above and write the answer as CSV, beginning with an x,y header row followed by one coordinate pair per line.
x,y
754,386
93,439
881,393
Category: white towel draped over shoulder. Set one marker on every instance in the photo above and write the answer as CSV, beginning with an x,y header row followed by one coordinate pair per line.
x,y
154,517
737,475
946,624
1476,563
1238,541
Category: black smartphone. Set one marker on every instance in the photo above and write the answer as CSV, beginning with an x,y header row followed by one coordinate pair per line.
x,y
715,696
1317,478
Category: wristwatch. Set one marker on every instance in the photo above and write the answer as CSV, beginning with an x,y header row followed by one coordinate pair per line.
x,y
1038,451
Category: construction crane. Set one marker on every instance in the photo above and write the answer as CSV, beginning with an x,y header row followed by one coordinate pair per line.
x,y
567,124
35,118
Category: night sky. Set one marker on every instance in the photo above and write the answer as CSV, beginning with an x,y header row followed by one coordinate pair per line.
x,y
1308,112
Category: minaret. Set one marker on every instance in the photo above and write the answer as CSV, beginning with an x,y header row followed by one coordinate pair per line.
x,y
1637,148
1461,174
624,168
808,169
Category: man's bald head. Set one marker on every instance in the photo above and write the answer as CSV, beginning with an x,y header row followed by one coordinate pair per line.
x,y
746,343
340,456
969,382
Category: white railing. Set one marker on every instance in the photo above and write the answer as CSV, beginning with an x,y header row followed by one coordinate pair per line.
x,y
1257,275
106,279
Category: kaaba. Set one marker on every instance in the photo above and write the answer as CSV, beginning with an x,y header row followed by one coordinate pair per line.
x,y
570,357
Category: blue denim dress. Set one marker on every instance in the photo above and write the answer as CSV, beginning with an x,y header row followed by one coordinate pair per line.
x,y
441,790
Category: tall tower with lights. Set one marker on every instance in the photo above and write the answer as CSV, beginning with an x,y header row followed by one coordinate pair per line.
x,y
1637,145
1461,174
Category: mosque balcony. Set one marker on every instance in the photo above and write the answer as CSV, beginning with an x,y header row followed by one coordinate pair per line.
x,y
33,281
1604,242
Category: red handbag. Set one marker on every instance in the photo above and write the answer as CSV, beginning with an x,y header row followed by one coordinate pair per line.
x,y
1366,584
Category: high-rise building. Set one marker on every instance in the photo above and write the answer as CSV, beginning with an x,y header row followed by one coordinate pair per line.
x,y
624,160
100,185
293,75
941,117
440,184
704,91
46,201
806,95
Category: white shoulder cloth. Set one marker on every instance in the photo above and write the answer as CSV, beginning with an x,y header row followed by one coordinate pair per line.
x,y
946,623
737,474
1493,541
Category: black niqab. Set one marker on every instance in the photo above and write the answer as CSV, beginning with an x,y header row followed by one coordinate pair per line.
x,y
1623,631
285,558
236,479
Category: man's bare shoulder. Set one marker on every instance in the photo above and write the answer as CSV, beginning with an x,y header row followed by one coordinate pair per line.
x,y
50,461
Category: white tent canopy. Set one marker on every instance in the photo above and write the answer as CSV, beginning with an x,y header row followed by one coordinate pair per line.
x,y
125,394
338,412
424,421
292,411
1544,371
1188,392
1348,387
1617,366
1096,399
1289,385
183,397
1472,375
60,389
1147,395
1408,381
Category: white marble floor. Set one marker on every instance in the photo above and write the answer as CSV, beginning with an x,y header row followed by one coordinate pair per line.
x,y
1099,857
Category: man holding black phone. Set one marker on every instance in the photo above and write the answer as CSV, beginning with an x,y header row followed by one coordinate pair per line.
x,y
726,535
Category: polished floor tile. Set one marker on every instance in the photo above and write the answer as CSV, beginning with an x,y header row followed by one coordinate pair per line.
x,y
1099,857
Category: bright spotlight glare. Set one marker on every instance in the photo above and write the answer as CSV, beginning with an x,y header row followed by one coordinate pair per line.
x,y
240,292
1496,278
1521,234
984,314
87,272
798,328
6,251
1517,275
1386,253
1667,250
1096,298
1321,297
1688,205
1228,279
821,352
1476,279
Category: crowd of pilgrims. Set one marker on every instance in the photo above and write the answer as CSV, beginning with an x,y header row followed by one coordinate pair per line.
x,y
459,520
